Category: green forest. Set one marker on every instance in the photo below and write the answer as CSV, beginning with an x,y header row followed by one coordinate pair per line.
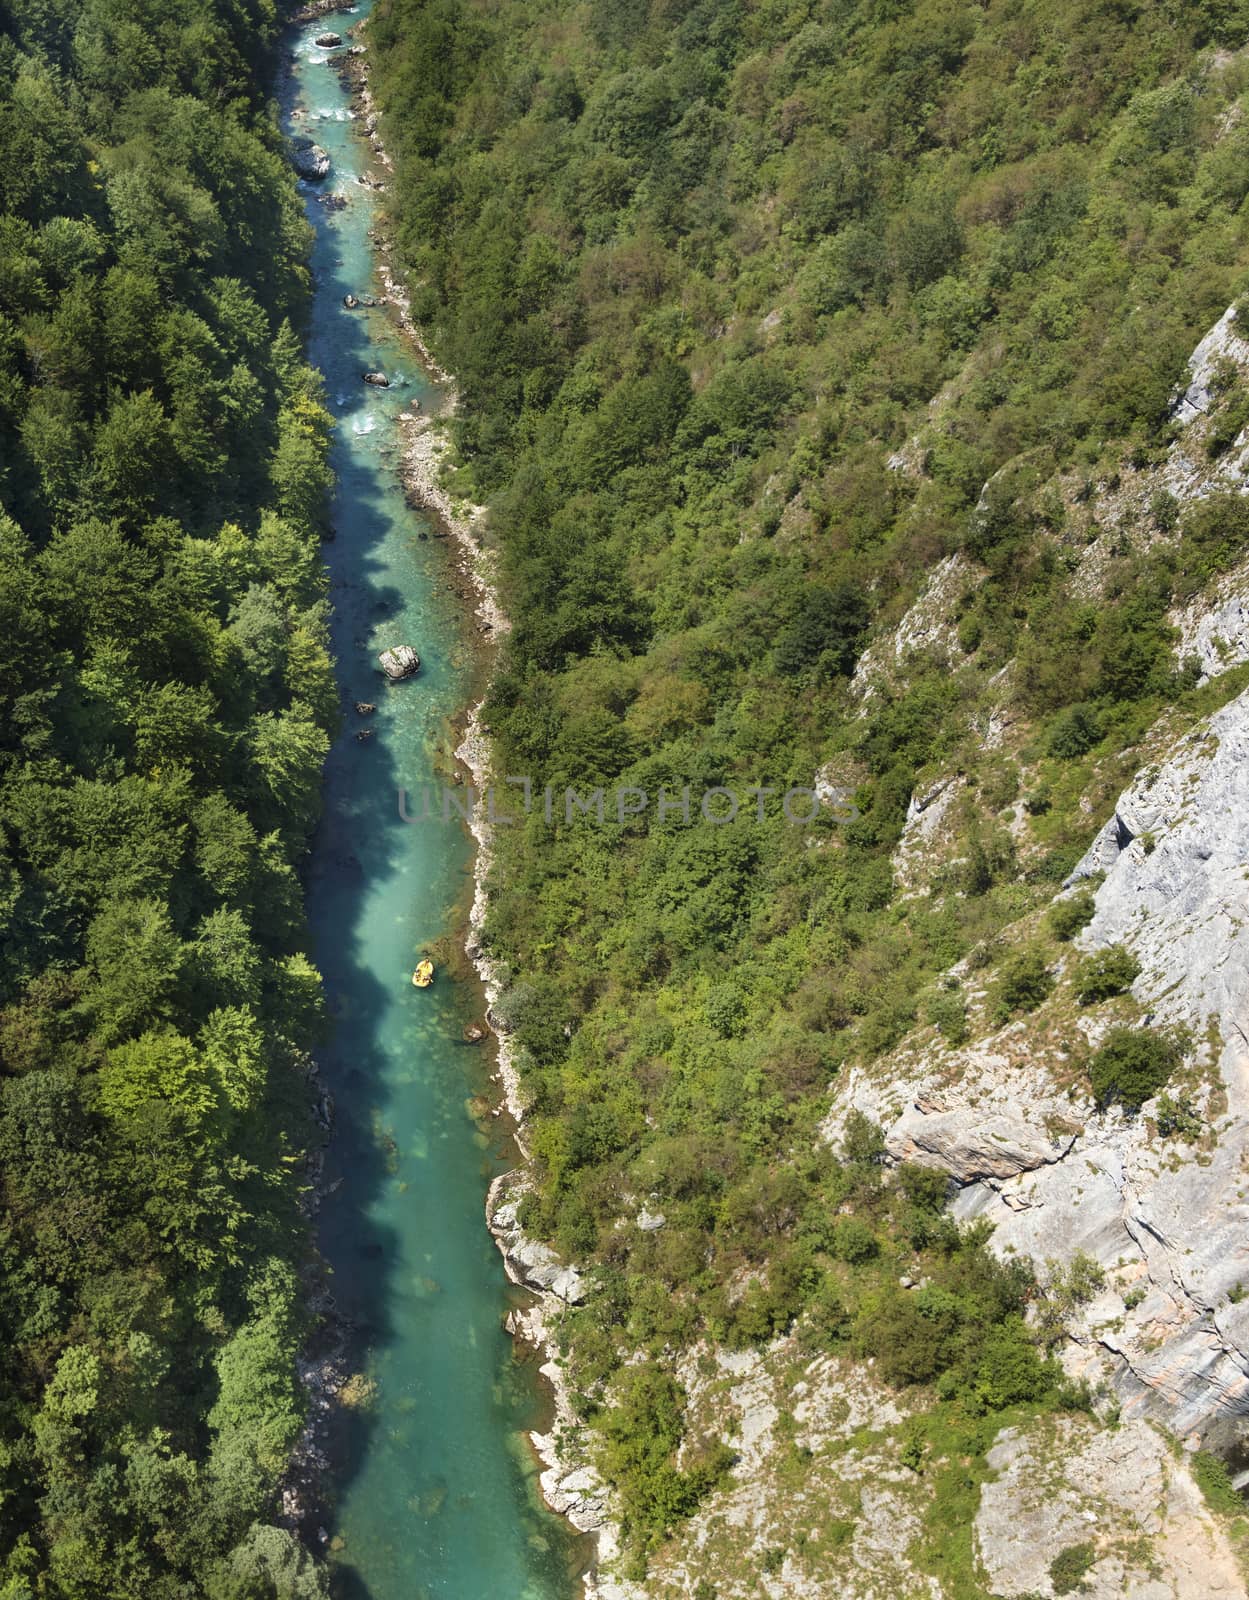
x,y
700,267
166,697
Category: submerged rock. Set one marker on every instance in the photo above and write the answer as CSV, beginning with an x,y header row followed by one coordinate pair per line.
x,y
474,1033
365,708
310,160
379,380
401,661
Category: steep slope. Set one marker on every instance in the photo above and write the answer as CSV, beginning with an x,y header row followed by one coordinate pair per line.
x,y
165,696
825,372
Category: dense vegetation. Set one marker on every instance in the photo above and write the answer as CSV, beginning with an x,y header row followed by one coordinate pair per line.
x,y
165,695
700,267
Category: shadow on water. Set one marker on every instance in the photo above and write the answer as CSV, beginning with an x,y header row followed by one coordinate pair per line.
x,y
435,1484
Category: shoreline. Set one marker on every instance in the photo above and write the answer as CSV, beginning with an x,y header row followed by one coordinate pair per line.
x,y
569,1483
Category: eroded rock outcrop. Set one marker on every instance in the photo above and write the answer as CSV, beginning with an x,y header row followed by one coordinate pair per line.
x,y
529,1262
969,1145
309,159
399,662
1119,1496
1166,1220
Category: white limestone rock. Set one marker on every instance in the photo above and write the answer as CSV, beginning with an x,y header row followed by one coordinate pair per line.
x,y
310,160
970,1145
399,662
1214,628
1066,1483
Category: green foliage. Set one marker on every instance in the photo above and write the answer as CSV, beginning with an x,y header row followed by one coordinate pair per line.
x,y
1130,1066
1105,973
1070,1566
269,1564
163,468
1067,916
1022,984
1215,1482
1068,1286
854,1241
639,1433
700,271
1178,1118
963,1330
1075,733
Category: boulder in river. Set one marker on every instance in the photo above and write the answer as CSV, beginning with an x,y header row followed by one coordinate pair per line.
x,y
350,301
365,708
328,41
309,160
401,661
475,1033
379,380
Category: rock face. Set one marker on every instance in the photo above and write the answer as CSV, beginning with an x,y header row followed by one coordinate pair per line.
x,y
1214,629
528,1260
1175,892
1175,854
309,160
1119,1493
1223,341
969,1144
401,661
1167,1220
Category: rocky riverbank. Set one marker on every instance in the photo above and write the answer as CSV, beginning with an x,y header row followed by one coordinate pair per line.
x,y
318,8
570,1485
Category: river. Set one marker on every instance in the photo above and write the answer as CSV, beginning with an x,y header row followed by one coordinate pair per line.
x,y
437,1496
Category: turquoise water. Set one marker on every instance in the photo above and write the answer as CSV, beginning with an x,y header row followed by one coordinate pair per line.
x,y
437,1497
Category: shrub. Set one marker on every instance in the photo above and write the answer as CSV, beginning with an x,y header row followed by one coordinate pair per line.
x,y
1213,536
639,1438
725,1007
1074,733
827,1323
947,1012
1009,1371
854,1241
1227,427
1164,508
1106,973
1023,983
1070,1566
1215,1483
1177,1116
1131,1065
1067,917
824,632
